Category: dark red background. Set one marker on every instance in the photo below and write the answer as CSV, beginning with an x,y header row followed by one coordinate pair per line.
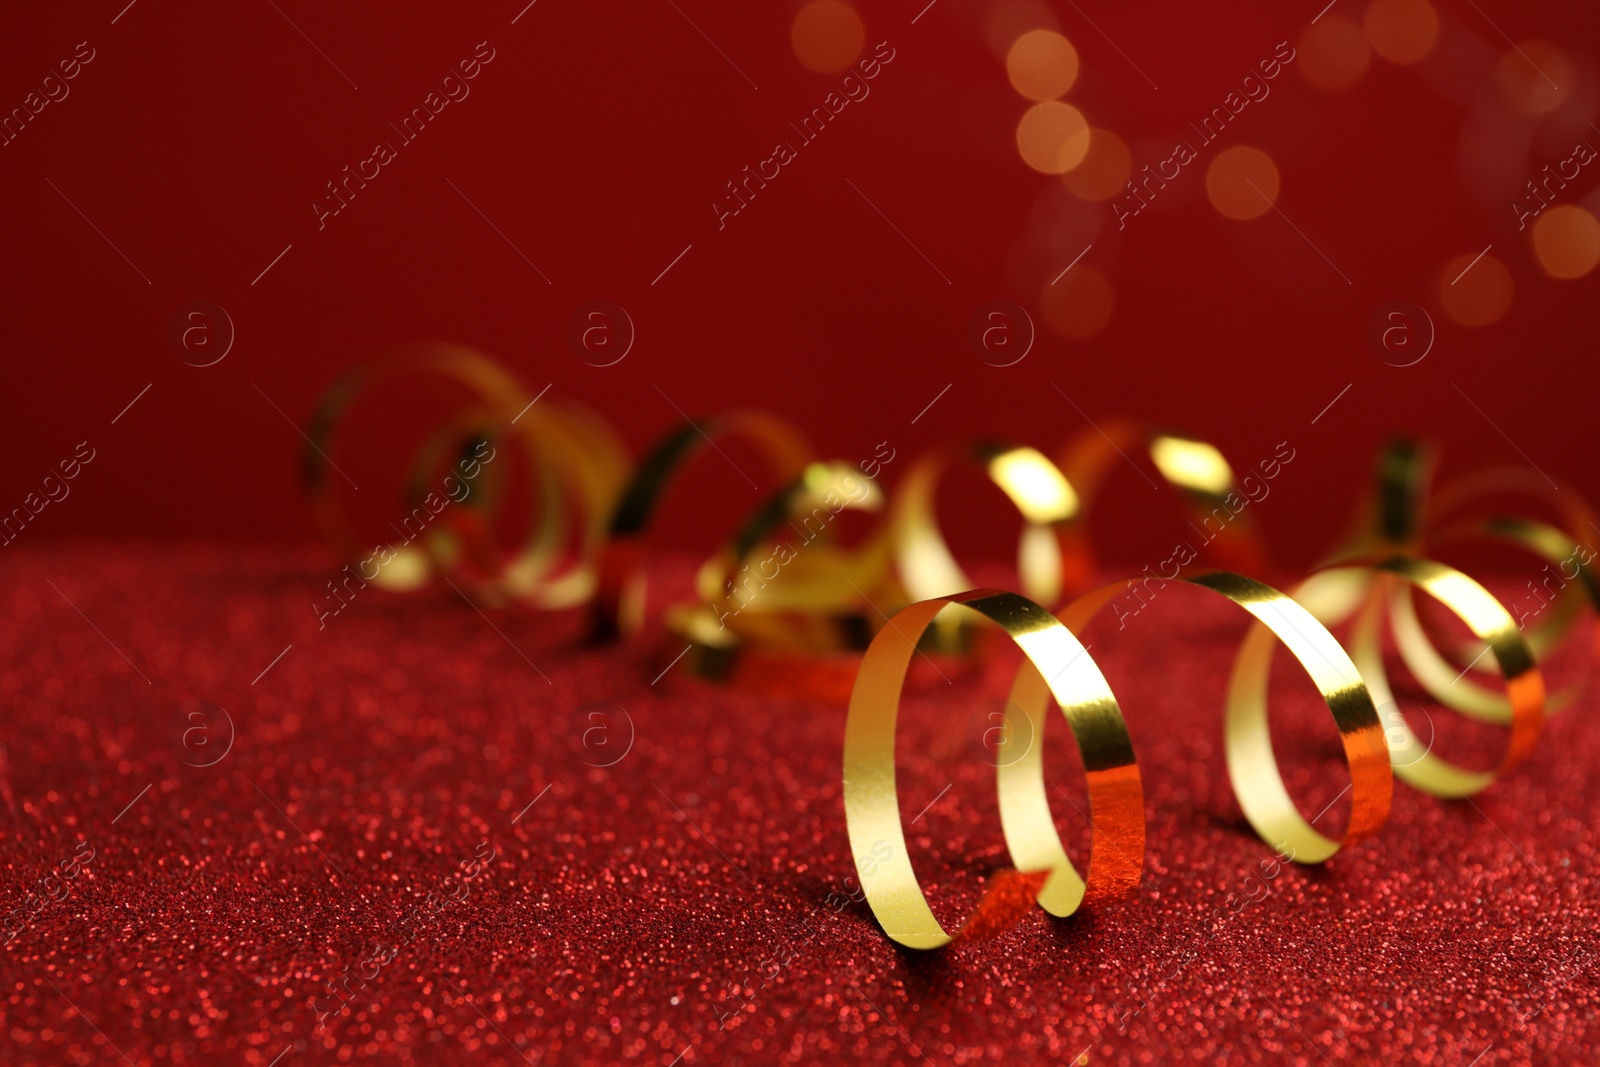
x,y
200,135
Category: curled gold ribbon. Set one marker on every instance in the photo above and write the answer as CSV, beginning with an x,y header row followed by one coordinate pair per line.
x,y
925,567
770,599
574,455
1490,623
872,804
817,576
786,617
619,604
1058,666
1575,520
1403,517
1451,685
1252,766
1203,477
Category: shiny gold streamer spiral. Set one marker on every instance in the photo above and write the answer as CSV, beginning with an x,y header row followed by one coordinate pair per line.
x,y
573,455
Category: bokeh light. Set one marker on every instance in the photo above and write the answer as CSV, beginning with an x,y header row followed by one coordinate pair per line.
x,y
1475,293
1104,170
1053,137
1079,304
827,36
1333,53
1042,65
1242,182
1535,76
1566,241
1402,31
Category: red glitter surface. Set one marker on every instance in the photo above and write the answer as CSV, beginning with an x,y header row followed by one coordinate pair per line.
x,y
500,845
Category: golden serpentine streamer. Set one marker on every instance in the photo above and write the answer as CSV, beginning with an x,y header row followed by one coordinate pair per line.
x,y
829,615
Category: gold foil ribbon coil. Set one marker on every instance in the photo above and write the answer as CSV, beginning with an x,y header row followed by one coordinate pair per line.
x,y
1204,479
619,603
872,807
573,455
1058,666
1403,516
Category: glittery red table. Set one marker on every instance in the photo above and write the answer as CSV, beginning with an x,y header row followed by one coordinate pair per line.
x,y
453,836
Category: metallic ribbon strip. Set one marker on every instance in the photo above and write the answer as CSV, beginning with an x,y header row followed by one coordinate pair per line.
x,y
572,453
1058,666
619,603
1251,764
872,805
1493,625
1195,468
